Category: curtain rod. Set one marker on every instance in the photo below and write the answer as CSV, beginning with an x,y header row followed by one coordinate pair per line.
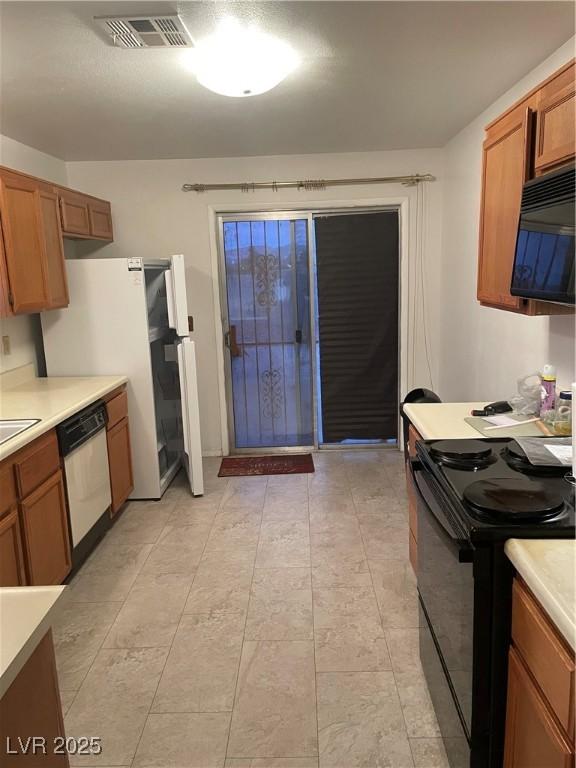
x,y
310,184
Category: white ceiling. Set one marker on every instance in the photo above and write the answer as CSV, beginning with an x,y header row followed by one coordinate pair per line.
x,y
375,75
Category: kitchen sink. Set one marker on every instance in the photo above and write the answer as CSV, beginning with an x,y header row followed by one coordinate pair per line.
x,y
9,428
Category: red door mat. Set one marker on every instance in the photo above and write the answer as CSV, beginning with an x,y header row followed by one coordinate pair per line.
x,y
237,466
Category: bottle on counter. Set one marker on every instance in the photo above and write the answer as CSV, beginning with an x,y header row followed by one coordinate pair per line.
x,y
548,392
563,414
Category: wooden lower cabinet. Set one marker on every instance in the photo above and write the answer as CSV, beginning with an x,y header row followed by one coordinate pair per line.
x,y
31,707
533,739
12,570
540,703
120,462
46,535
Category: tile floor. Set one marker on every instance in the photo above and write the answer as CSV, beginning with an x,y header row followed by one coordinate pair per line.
x,y
271,623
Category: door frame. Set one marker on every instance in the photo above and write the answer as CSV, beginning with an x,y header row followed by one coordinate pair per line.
x,y
284,215
407,276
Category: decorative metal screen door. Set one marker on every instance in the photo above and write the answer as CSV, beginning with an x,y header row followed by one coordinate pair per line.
x,y
267,295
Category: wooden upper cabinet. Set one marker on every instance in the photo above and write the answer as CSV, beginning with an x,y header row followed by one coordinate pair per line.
x,y
506,166
75,216
555,137
84,216
100,214
532,137
24,249
54,248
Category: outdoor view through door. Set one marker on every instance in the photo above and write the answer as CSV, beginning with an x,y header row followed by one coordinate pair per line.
x,y
266,266
357,263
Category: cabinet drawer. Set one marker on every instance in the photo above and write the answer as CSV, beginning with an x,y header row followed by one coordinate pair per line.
x,y
8,494
117,408
544,653
37,462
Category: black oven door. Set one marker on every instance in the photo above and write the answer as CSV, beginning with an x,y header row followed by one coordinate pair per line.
x,y
446,591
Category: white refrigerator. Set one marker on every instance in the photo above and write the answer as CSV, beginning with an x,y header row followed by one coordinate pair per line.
x,y
130,316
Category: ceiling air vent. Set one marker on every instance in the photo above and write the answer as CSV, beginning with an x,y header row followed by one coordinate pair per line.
x,y
145,31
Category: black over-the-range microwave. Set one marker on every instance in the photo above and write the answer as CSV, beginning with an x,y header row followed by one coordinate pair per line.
x,y
544,259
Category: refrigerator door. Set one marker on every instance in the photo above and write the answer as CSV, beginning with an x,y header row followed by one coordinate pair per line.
x,y
192,458
176,296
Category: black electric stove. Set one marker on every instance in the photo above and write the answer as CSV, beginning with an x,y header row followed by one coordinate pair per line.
x,y
473,495
494,492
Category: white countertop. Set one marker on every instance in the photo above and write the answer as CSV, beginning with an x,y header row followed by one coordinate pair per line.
x,y
548,566
26,615
51,400
443,421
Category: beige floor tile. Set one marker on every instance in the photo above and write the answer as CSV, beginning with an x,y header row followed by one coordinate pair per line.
x,y
151,613
287,485
234,530
183,741
333,516
350,648
113,703
142,522
360,721
280,605
220,588
108,576
178,550
332,574
338,549
102,586
385,537
191,516
345,605
202,667
283,510
113,553
429,753
79,631
395,587
238,556
284,545
245,492
271,762
66,699
239,521
416,704
404,648
328,483
274,712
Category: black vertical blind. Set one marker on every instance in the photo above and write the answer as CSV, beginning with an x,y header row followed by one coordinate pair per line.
x,y
357,273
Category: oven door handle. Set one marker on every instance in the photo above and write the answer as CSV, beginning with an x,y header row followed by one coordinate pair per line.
x,y
464,552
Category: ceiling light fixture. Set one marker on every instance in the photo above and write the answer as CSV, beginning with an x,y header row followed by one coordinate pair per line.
x,y
239,60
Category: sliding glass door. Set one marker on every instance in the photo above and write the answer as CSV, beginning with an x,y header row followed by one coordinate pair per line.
x,y
267,301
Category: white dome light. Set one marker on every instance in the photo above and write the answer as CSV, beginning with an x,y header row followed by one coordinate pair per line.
x,y
241,60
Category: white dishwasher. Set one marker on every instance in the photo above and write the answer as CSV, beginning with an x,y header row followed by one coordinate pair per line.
x,y
83,447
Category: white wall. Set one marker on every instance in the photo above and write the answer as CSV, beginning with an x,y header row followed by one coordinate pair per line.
x,y
24,331
153,217
484,351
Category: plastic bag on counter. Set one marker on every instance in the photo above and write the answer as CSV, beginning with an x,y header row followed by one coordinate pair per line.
x,y
526,402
